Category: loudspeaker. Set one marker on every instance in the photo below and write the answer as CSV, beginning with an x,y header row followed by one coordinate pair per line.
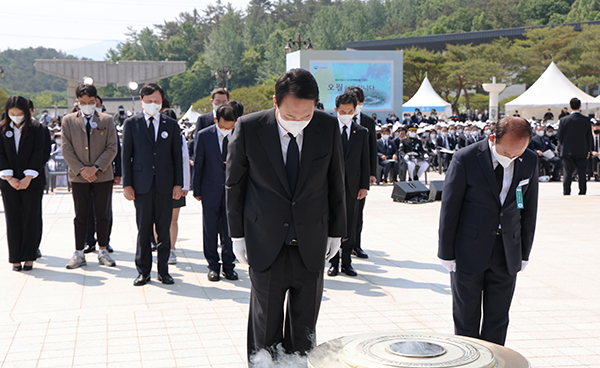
x,y
407,190
435,190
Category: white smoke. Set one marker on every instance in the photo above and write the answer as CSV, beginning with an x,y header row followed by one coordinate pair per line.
x,y
277,358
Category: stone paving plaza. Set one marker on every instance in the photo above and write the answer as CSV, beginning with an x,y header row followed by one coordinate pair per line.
x,y
95,317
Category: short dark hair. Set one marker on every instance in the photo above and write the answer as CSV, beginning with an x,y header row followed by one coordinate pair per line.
x,y
87,90
170,113
150,88
345,98
226,112
219,91
298,83
358,92
30,104
597,124
238,108
99,98
549,127
575,103
385,129
513,125
166,104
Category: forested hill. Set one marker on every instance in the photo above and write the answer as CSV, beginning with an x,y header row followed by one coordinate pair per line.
x,y
250,41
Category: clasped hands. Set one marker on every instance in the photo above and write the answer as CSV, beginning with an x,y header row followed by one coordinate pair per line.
x,y
178,192
19,184
89,173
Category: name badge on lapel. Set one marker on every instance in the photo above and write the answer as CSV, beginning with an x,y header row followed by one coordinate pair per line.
x,y
94,125
520,198
9,134
164,135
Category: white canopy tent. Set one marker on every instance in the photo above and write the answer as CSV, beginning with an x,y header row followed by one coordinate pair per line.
x,y
427,99
190,116
551,91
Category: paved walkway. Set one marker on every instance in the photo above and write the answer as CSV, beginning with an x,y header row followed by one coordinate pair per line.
x,y
95,317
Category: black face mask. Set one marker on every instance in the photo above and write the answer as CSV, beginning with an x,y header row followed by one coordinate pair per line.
x,y
596,132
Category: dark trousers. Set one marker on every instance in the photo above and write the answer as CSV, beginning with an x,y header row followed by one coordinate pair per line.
x,y
23,212
352,205
214,222
570,163
304,289
495,288
551,166
91,231
153,209
387,165
359,222
102,197
445,159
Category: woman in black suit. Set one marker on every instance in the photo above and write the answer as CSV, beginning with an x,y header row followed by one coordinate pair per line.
x,y
21,171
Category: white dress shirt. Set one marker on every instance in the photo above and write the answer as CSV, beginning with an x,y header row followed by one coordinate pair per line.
x,y
155,122
508,175
17,132
221,137
342,125
285,141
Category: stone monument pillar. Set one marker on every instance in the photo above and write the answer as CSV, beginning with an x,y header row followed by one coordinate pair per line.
x,y
494,90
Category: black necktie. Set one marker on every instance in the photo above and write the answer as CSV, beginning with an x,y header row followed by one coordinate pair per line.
x,y
499,177
292,166
345,139
88,129
224,149
596,149
354,119
151,129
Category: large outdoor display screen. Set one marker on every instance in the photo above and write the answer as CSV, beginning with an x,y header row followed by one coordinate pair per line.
x,y
375,79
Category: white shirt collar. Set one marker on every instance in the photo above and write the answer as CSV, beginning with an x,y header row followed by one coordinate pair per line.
x,y
283,132
14,126
342,125
156,116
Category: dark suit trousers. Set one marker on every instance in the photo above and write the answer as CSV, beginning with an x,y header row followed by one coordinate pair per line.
x,y
359,222
348,244
551,166
153,209
102,197
214,221
91,232
495,287
304,289
23,212
387,165
570,163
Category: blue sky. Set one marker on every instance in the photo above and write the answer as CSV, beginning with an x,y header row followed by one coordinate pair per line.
x,y
74,24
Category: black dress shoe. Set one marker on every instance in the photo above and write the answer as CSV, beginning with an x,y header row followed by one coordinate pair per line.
x,y
332,271
230,275
27,268
166,279
213,275
17,268
109,249
89,248
39,254
349,270
141,280
358,252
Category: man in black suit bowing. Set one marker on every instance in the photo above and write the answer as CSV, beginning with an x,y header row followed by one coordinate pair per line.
x,y
355,142
218,97
487,223
367,122
575,138
152,177
286,210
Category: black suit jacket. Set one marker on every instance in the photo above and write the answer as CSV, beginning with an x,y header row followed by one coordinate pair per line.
x,y
118,162
451,142
209,169
204,121
387,148
31,152
471,210
259,202
356,160
368,122
541,144
412,145
144,161
575,135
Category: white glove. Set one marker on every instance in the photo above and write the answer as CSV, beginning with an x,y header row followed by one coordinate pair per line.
x,y
333,247
523,265
239,249
406,157
450,265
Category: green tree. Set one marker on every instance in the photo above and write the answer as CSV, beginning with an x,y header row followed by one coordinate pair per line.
x,y
225,47
584,10
3,98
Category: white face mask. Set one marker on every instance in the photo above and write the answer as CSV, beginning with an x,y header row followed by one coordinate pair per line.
x,y
294,127
426,135
487,132
58,141
151,108
550,134
444,134
540,133
98,110
225,132
438,131
385,137
502,160
475,133
460,131
215,107
433,136
17,119
412,134
87,109
451,131
345,119
358,109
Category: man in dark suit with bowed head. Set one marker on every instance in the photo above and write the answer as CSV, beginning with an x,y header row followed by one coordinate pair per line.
x,y
218,97
367,122
152,178
286,210
355,143
487,223
575,138
210,162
